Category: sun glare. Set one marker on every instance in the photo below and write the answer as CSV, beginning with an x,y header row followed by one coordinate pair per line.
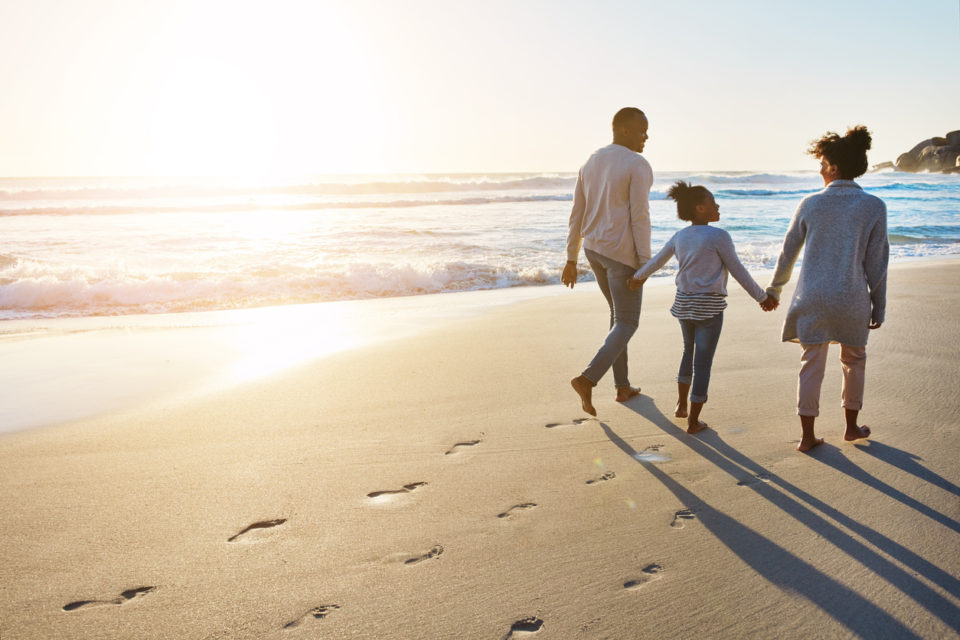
x,y
211,117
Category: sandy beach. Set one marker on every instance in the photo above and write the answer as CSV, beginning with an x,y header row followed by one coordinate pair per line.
x,y
444,483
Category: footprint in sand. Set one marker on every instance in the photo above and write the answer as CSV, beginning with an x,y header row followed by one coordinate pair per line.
x,y
263,524
760,477
517,507
466,443
680,516
652,454
123,598
650,572
575,423
434,552
383,496
524,627
609,475
317,613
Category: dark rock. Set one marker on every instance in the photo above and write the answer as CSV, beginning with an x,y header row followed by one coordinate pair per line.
x,y
935,154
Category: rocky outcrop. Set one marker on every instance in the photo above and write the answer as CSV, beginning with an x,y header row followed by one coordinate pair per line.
x,y
941,155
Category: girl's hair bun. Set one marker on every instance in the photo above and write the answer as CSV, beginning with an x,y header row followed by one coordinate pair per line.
x,y
687,197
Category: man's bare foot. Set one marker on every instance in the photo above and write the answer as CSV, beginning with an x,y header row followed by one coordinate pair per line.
x,y
806,445
696,427
681,411
625,393
584,389
855,433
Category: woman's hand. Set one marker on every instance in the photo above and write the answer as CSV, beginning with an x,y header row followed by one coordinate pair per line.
x,y
769,303
875,325
634,284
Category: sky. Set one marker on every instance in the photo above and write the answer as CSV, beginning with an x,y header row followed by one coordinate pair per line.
x,y
283,87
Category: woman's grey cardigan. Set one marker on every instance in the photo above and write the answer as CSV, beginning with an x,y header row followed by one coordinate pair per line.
x,y
843,276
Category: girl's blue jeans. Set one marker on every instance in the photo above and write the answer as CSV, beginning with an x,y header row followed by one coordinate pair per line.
x,y
700,339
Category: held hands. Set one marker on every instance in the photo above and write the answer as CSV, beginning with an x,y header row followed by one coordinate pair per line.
x,y
769,303
635,284
569,275
875,325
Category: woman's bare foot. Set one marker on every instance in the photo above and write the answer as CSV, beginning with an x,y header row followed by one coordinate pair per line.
x,y
696,426
625,393
806,445
584,389
681,411
856,433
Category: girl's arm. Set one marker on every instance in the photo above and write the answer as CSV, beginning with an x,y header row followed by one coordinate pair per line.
x,y
728,255
657,262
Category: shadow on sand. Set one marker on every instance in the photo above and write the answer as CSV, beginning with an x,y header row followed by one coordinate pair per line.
x,y
786,570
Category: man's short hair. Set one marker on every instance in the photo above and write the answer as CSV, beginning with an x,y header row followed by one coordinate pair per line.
x,y
625,116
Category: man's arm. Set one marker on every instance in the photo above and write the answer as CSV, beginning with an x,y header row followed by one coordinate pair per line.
x,y
641,181
574,237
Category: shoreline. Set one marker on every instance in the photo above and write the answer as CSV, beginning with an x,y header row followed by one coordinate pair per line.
x,y
155,358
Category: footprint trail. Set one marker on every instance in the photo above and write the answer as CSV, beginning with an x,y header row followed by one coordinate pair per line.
x,y
517,507
650,573
263,524
524,627
317,613
123,598
680,516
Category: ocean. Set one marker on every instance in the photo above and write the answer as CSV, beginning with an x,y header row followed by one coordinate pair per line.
x,y
76,247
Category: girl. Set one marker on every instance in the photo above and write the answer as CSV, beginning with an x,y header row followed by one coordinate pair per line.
x,y
706,254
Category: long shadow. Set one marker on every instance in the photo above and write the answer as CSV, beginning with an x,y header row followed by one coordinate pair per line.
x,y
908,584
906,462
778,565
845,465
892,548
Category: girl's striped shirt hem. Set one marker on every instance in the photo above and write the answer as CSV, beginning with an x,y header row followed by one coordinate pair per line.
x,y
697,306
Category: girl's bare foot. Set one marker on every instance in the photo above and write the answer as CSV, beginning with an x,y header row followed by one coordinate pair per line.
x,y
855,433
683,390
584,389
806,445
693,421
696,426
625,393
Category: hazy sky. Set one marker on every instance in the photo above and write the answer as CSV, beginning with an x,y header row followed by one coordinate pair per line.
x,y
137,87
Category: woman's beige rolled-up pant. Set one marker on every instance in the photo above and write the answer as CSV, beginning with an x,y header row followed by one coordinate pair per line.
x,y
813,364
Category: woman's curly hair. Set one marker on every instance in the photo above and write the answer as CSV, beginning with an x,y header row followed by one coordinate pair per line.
x,y
848,153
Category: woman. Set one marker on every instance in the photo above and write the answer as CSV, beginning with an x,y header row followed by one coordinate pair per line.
x,y
841,292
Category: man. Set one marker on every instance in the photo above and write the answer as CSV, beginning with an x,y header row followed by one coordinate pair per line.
x,y
611,219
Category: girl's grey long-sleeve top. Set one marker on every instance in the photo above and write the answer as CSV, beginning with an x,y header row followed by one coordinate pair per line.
x,y
843,277
705,255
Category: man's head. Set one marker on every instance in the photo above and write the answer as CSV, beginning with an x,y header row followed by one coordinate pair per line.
x,y
630,128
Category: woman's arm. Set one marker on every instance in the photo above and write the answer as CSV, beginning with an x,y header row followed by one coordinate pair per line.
x,y
792,243
875,265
